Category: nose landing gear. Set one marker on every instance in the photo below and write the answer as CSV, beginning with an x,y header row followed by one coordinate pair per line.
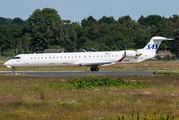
x,y
94,68
13,69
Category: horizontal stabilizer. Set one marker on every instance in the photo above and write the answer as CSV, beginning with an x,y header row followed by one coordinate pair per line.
x,y
158,38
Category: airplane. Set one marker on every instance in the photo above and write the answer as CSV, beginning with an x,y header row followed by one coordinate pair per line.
x,y
91,59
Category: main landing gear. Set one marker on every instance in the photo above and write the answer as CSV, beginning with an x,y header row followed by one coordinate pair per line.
x,y
94,68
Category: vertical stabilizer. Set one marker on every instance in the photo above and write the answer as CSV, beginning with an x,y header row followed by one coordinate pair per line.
x,y
150,49
154,44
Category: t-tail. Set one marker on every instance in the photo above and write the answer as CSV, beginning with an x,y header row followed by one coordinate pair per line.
x,y
150,49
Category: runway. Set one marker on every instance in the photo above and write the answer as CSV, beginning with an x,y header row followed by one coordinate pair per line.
x,y
73,73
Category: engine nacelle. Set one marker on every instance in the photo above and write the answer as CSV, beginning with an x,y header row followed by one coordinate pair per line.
x,y
132,53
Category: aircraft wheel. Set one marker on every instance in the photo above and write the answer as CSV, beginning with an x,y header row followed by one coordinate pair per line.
x,y
92,69
96,69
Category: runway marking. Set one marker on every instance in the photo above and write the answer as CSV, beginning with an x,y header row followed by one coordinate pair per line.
x,y
74,73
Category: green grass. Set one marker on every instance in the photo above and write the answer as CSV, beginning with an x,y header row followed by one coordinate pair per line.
x,y
145,117
21,98
91,98
96,83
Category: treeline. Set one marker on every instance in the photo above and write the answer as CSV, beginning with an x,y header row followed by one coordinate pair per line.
x,y
44,29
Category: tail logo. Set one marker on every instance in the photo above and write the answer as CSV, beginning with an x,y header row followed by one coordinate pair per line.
x,y
152,46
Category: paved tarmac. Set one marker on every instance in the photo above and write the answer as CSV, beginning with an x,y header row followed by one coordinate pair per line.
x,y
73,73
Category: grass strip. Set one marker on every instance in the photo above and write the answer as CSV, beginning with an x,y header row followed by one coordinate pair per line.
x,y
88,82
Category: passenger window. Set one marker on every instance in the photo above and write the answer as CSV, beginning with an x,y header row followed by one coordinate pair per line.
x,y
112,55
75,57
57,57
68,56
116,55
64,56
31,57
79,56
101,56
71,56
105,56
53,57
42,57
35,58
49,57
45,57
108,55
16,58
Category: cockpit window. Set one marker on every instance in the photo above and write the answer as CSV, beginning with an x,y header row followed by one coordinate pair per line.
x,y
16,58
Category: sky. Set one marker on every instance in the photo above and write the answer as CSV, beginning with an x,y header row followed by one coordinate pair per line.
x,y
77,10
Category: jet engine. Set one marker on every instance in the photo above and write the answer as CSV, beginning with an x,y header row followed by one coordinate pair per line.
x,y
132,53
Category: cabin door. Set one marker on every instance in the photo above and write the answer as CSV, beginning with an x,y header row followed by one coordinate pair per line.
x,y
26,59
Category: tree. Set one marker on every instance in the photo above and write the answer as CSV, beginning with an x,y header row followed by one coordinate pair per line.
x,y
84,22
124,20
88,22
18,21
108,20
175,44
15,32
167,57
91,44
25,42
81,41
150,20
45,28
103,30
141,20
4,37
173,23
163,30
56,47
8,22
2,20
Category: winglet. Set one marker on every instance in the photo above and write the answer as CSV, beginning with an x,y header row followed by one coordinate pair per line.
x,y
121,59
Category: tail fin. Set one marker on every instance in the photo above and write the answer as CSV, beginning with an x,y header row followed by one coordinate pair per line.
x,y
154,44
150,49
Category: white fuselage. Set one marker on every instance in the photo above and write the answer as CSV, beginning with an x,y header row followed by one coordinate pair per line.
x,y
77,58
92,59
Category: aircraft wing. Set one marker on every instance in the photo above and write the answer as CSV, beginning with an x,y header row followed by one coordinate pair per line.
x,y
100,63
97,63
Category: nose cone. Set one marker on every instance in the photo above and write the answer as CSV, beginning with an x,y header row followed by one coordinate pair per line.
x,y
5,63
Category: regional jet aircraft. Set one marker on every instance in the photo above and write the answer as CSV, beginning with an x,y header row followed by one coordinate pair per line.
x,y
91,59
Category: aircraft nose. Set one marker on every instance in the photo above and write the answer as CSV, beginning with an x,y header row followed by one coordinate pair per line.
x,y
5,63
